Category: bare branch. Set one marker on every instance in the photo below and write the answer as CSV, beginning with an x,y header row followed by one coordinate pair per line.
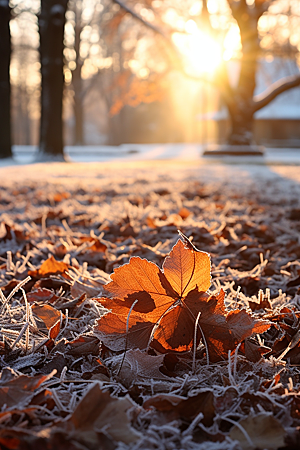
x,y
177,61
237,8
143,21
274,90
261,7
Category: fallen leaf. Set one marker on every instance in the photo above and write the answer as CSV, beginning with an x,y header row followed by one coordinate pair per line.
x,y
44,398
253,351
41,295
265,432
99,411
89,287
8,232
52,283
184,213
167,305
59,196
84,345
138,366
160,295
8,288
111,329
49,315
185,408
96,245
262,303
50,267
16,389
8,440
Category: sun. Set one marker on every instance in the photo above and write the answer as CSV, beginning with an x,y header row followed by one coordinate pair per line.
x,y
202,53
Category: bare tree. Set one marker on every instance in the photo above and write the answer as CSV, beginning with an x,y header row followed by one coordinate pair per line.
x,y
5,54
241,102
51,29
77,76
84,49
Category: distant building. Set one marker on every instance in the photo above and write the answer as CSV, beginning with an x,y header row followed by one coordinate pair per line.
x,y
278,122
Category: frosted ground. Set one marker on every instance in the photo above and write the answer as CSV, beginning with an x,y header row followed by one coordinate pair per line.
x,y
245,215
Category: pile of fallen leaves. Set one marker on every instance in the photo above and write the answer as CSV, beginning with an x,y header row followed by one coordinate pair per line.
x,y
115,333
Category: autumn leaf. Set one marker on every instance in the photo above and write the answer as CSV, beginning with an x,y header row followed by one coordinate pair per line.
x,y
112,330
15,389
50,316
84,345
50,267
263,431
253,351
98,410
138,366
161,307
158,293
41,295
47,314
176,406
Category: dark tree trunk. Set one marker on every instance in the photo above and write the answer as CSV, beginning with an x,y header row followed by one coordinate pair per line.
x,y
51,28
241,118
240,104
78,113
5,53
77,80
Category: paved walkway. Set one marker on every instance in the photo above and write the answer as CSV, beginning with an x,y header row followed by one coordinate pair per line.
x,y
146,152
91,166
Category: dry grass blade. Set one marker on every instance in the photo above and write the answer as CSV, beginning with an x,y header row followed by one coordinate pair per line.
x,y
176,393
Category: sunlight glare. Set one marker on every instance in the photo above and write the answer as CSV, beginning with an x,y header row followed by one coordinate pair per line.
x,y
203,53
232,43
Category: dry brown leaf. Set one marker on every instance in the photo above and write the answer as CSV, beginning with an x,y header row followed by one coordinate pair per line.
x,y
50,267
47,314
158,293
184,408
89,287
41,295
265,432
167,305
84,345
99,411
138,366
15,390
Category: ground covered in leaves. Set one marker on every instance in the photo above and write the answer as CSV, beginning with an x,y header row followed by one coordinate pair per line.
x,y
66,385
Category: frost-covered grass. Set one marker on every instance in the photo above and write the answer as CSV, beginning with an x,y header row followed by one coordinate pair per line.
x,y
93,217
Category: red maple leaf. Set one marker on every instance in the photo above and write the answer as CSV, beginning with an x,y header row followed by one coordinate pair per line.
x,y
160,307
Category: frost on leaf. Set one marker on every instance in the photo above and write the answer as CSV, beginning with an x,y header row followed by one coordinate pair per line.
x,y
167,303
98,410
14,389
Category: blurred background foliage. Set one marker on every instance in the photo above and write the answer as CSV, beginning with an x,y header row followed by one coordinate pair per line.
x,y
122,79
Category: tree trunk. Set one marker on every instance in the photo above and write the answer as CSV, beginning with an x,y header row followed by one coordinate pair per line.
x,y
51,29
78,114
77,80
5,53
241,117
241,104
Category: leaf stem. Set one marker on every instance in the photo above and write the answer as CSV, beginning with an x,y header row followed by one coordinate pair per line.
x,y
126,341
195,342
